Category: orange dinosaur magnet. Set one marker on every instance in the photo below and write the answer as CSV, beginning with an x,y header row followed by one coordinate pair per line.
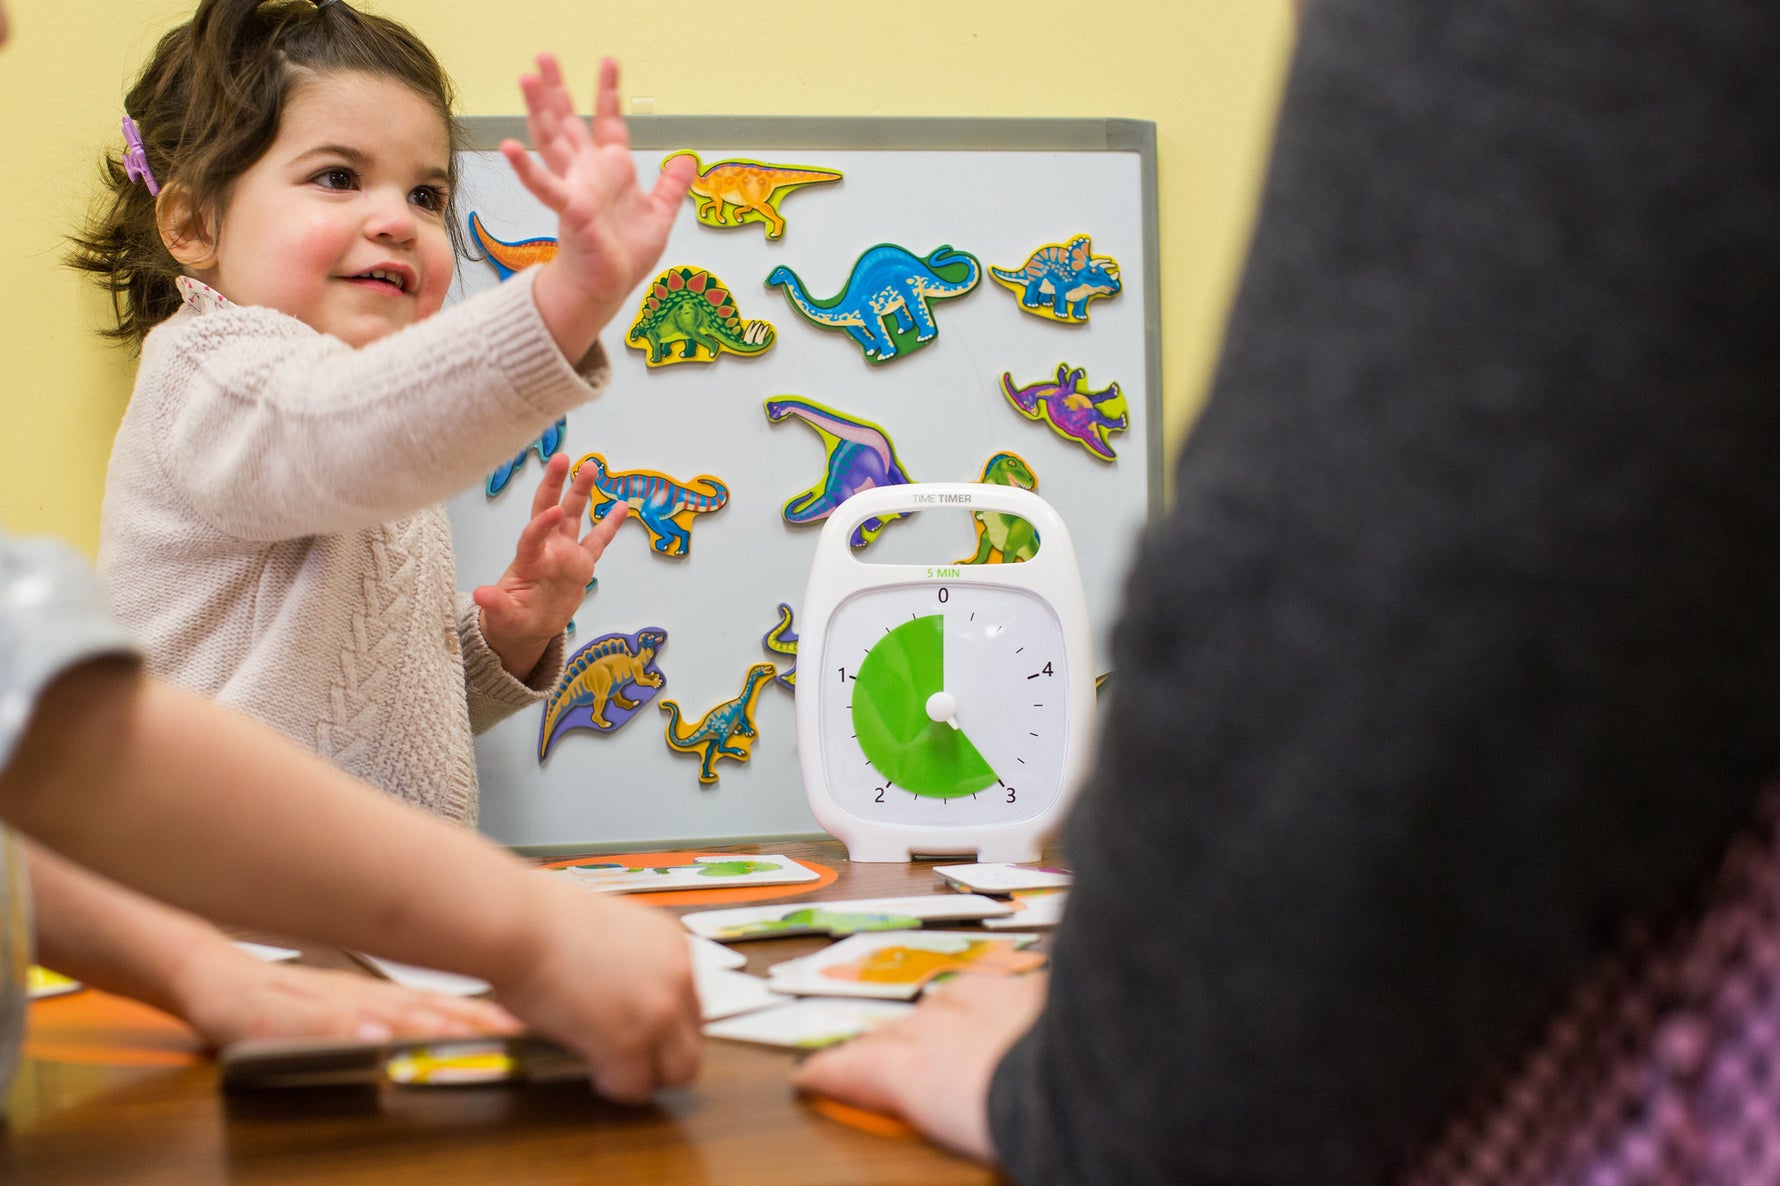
x,y
508,258
734,193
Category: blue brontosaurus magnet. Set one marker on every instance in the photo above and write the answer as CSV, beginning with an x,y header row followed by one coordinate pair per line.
x,y
663,505
860,457
1059,279
782,640
726,731
1073,412
592,693
885,306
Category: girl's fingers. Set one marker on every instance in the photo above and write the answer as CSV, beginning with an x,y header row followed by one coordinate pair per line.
x,y
537,533
595,541
608,124
561,104
574,503
540,184
676,178
549,491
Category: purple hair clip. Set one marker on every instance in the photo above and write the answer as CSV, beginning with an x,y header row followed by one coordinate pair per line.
x,y
136,159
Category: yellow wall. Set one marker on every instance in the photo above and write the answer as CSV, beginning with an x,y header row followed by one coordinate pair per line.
x,y
1207,71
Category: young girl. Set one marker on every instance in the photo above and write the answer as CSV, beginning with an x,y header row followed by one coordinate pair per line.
x,y
279,247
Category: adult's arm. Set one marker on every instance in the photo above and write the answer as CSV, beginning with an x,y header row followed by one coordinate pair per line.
x,y
1460,644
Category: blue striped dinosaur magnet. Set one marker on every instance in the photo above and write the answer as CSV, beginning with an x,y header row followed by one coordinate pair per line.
x,y
602,686
726,731
1059,279
693,310
1003,538
860,457
782,640
663,505
507,258
1073,412
886,305
734,193
549,442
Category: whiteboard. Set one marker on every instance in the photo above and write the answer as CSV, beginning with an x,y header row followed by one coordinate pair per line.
x,y
998,189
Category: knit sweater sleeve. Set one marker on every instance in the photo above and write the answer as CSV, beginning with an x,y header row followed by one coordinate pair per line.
x,y
494,694
269,430
1461,644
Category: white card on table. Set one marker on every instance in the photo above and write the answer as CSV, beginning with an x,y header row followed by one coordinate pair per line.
x,y
267,952
810,1023
427,979
1002,878
707,955
723,993
1031,908
706,872
840,918
900,964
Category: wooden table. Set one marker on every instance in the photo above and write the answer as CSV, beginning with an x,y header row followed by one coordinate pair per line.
x,y
73,1124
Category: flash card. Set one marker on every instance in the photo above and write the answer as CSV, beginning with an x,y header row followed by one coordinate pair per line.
x,y
706,872
723,993
1032,908
1002,878
840,918
809,1024
265,1063
899,966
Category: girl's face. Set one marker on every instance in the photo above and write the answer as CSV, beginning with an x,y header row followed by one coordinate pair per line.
x,y
341,223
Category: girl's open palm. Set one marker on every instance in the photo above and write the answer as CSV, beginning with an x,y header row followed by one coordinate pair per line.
x,y
610,233
544,586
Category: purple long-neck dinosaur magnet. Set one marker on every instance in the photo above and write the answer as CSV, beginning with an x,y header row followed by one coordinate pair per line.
x,y
860,457
1074,413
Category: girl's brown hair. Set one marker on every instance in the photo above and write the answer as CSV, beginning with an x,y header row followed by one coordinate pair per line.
x,y
208,105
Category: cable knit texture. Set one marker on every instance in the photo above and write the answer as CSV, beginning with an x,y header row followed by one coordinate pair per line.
x,y
273,529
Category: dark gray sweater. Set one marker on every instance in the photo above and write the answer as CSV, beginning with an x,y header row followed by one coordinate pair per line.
x,y
1462,643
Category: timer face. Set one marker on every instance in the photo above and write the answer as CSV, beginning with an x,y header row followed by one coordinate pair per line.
x,y
943,705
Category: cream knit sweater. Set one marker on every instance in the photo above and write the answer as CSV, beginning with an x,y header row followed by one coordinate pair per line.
x,y
272,529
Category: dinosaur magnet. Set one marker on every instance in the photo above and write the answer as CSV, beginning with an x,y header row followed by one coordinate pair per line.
x,y
734,193
663,505
860,457
886,306
602,686
1059,279
508,258
1002,538
545,446
782,640
691,308
726,731
1074,413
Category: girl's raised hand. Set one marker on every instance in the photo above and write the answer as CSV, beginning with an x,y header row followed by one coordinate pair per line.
x,y
543,587
609,232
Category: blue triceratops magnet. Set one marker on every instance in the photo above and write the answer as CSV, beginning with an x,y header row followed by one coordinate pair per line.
x,y
1059,279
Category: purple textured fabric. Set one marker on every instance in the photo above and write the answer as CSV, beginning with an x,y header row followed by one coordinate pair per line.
x,y
1663,1070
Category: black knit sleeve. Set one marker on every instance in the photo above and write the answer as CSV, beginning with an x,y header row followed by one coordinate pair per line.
x,y
1461,644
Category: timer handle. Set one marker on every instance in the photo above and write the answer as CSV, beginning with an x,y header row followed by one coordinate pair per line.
x,y
963,496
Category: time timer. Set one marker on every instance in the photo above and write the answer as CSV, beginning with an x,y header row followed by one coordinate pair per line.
x,y
943,709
